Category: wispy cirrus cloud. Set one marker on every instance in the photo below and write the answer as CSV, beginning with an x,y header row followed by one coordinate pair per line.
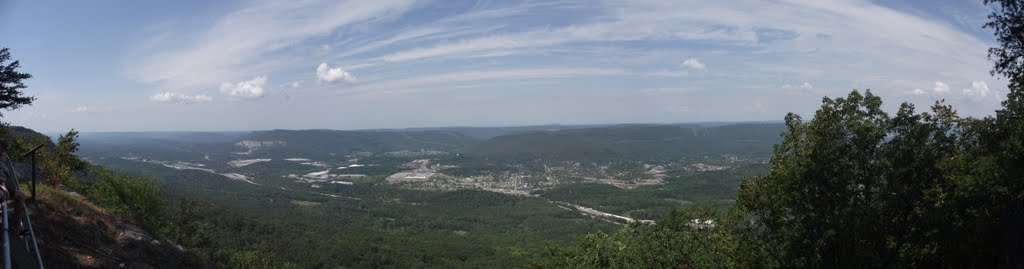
x,y
244,41
714,49
493,75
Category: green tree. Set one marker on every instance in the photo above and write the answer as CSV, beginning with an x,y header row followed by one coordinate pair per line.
x,y
188,227
687,238
137,198
821,185
11,83
62,161
11,95
856,188
1006,136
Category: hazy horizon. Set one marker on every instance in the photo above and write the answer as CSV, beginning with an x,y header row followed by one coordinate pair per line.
x,y
58,132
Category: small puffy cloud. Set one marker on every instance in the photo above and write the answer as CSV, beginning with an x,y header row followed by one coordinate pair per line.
x,y
296,85
326,74
979,89
941,87
805,86
246,89
692,64
918,92
173,97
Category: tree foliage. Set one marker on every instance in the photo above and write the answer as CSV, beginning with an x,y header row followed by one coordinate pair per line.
x,y
1005,137
12,82
852,188
136,198
685,239
61,162
188,228
1007,22
857,188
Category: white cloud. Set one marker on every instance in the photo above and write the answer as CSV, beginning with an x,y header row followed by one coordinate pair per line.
x,y
91,109
391,54
491,75
941,87
295,85
734,22
326,74
667,91
248,40
692,64
246,89
416,35
979,89
804,86
487,45
174,97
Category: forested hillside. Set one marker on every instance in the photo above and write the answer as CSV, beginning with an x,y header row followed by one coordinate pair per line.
x,y
657,142
853,186
324,143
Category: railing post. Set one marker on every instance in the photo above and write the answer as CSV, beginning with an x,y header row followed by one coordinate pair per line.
x,y
33,152
33,176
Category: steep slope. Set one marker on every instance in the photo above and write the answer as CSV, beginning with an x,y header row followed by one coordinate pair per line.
x,y
74,233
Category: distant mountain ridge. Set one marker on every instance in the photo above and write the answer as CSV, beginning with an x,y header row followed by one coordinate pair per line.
x,y
324,143
633,141
191,137
582,142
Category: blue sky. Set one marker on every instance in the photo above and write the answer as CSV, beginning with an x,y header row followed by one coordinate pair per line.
x,y
250,65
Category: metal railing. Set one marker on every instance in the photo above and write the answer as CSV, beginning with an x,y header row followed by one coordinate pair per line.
x,y
26,220
7,239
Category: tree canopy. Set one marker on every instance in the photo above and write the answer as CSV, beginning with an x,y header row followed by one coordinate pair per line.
x,y
852,188
12,82
855,187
